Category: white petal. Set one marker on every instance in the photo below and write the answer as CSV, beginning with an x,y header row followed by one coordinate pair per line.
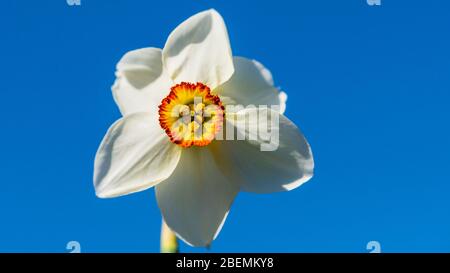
x,y
134,155
198,50
141,81
196,198
279,167
251,84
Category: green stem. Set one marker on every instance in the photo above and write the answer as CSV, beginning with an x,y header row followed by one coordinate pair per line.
x,y
169,242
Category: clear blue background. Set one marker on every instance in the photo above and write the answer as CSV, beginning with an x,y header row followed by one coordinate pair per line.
x,y
369,86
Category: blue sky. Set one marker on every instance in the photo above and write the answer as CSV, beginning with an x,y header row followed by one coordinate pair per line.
x,y
369,86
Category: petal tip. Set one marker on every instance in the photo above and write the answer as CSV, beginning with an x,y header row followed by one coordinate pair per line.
x,y
102,193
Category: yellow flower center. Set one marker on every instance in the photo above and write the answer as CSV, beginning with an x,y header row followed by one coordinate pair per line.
x,y
191,115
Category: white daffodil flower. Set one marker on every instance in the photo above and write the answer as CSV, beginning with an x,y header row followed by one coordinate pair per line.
x,y
196,176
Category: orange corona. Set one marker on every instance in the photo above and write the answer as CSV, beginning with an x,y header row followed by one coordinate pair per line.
x,y
190,115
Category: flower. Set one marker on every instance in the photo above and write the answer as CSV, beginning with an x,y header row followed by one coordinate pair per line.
x,y
196,177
